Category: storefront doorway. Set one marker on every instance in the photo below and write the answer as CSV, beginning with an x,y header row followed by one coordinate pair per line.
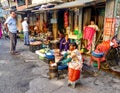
x,y
97,13
60,20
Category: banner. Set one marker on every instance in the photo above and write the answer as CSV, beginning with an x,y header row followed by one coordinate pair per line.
x,y
66,19
88,35
109,27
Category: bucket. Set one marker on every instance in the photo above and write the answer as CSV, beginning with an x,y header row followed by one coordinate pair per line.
x,y
53,72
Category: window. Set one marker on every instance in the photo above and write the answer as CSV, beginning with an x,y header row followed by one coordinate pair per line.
x,y
29,2
20,2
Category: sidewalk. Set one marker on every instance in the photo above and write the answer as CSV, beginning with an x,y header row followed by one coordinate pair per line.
x,y
104,83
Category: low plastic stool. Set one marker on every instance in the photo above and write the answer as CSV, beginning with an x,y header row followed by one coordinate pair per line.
x,y
99,60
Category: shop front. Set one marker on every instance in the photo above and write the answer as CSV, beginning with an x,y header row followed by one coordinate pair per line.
x,y
73,16
96,13
70,18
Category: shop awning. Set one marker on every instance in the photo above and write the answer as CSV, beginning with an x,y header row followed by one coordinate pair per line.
x,y
78,3
20,12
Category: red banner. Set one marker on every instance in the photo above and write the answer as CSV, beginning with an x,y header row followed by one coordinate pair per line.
x,y
109,26
88,35
66,19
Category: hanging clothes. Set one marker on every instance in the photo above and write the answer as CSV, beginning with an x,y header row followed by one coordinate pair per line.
x,y
94,26
88,35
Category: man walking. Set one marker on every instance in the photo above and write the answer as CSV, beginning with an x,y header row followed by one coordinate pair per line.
x,y
25,30
11,27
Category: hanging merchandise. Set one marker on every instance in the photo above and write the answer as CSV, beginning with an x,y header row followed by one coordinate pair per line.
x,y
88,34
66,19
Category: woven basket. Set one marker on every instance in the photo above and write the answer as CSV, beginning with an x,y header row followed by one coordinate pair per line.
x,y
33,48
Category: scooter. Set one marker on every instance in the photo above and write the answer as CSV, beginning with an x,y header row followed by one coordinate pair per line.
x,y
113,56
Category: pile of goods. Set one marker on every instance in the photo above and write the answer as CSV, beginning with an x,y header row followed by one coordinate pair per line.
x,y
45,53
41,53
36,43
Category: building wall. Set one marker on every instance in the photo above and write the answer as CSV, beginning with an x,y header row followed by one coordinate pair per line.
x,y
20,8
109,13
12,3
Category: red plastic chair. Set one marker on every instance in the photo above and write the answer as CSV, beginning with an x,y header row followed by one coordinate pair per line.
x,y
103,47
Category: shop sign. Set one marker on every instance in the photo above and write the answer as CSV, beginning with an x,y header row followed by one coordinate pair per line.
x,y
66,19
4,4
53,20
109,27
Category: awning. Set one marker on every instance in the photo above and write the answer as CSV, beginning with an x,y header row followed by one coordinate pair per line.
x,y
78,3
20,12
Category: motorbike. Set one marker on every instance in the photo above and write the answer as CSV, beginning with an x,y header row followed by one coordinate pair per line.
x,y
113,56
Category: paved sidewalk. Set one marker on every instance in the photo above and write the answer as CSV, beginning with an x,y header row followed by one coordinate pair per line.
x,y
104,83
31,73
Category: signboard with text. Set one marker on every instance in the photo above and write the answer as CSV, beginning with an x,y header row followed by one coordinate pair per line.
x,y
53,20
109,27
66,19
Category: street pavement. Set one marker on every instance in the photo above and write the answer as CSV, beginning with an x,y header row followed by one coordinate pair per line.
x,y
25,73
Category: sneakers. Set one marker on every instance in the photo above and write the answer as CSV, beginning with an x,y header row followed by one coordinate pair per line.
x,y
15,53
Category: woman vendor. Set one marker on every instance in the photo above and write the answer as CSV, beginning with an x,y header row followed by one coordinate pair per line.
x,y
96,28
64,42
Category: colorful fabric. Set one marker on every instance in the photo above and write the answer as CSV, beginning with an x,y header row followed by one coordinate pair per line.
x,y
88,34
103,47
61,44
